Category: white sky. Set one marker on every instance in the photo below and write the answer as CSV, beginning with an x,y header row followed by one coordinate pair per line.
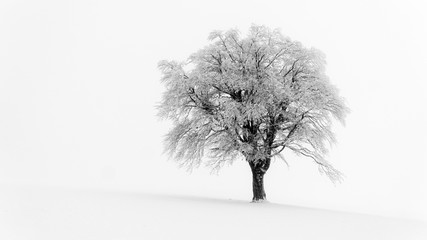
x,y
79,81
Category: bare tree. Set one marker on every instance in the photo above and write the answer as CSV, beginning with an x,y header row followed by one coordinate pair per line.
x,y
250,97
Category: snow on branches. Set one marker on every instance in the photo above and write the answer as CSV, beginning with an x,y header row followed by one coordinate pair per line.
x,y
251,97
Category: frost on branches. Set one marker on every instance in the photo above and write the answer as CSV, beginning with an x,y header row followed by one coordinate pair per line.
x,y
250,97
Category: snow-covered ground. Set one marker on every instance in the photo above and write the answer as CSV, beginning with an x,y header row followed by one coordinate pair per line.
x,y
59,213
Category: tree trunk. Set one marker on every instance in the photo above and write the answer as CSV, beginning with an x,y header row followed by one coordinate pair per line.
x,y
258,186
258,170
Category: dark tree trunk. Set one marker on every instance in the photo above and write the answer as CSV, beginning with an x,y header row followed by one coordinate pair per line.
x,y
258,186
258,170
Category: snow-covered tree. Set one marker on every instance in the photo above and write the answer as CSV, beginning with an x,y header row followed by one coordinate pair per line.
x,y
250,97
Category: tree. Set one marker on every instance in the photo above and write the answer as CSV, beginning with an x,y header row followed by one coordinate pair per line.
x,y
250,97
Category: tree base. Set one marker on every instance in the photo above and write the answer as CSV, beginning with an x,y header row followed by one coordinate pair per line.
x,y
260,201
258,171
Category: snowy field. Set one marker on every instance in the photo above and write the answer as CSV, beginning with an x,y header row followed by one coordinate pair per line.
x,y
60,213
78,88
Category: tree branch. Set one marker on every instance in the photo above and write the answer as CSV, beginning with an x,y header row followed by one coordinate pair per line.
x,y
274,58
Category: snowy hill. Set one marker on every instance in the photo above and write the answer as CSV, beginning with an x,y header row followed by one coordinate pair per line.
x,y
55,213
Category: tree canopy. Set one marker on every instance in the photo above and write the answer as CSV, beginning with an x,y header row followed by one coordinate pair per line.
x,y
250,97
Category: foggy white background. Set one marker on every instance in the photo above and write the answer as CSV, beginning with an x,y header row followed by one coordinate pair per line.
x,y
79,84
